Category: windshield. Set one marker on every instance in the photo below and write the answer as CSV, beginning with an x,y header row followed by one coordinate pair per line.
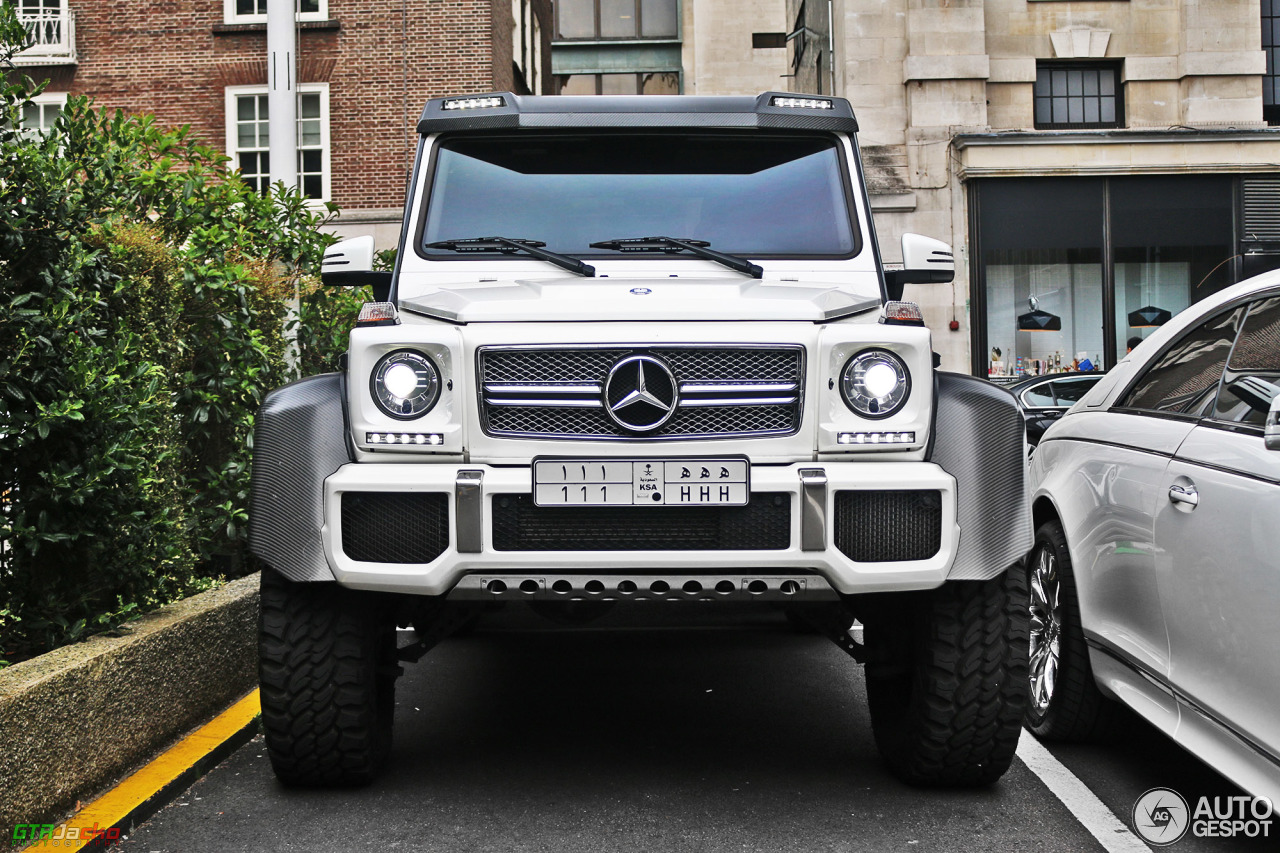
x,y
753,195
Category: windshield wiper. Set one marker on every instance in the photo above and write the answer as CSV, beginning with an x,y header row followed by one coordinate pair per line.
x,y
508,246
670,244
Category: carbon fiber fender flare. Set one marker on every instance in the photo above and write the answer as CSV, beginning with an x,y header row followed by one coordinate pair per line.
x,y
299,439
979,437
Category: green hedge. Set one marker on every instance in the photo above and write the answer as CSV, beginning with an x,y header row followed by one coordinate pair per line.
x,y
148,301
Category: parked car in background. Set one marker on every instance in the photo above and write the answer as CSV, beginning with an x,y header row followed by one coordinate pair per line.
x,y
1044,399
1155,576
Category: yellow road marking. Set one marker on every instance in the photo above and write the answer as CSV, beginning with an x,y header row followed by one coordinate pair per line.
x,y
118,803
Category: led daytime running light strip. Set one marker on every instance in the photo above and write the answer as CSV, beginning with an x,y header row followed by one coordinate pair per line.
x,y
474,103
803,103
418,438
876,438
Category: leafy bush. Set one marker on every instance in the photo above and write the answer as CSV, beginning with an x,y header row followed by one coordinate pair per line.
x,y
148,301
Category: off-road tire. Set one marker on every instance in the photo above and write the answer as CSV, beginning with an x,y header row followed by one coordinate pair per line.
x,y
946,680
1077,712
326,663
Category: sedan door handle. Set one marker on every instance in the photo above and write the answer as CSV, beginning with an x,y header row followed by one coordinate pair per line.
x,y
1184,495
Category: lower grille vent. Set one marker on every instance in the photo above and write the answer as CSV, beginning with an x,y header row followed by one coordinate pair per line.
x,y
762,525
890,526
395,527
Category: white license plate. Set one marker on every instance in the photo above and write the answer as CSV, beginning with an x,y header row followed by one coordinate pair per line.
x,y
642,482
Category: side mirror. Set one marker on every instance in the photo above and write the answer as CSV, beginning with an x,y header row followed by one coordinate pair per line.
x,y
1272,432
924,261
349,263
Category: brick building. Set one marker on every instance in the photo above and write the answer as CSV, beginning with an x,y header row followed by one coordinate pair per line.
x,y
365,68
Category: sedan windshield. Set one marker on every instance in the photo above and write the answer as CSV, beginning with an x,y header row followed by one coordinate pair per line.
x,y
751,195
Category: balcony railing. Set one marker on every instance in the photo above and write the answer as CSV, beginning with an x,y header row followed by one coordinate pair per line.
x,y
54,35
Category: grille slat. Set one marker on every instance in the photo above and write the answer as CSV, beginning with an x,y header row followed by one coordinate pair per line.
x,y
888,526
764,524
726,391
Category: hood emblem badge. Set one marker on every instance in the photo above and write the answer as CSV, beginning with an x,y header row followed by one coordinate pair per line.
x,y
640,393
641,291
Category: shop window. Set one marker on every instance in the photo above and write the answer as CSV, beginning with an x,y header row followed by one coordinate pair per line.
x,y
1106,259
1042,241
1172,245
1185,379
248,137
1077,95
617,19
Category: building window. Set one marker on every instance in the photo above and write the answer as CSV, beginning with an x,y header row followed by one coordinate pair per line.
x,y
1075,95
249,141
255,11
642,83
617,19
39,115
1271,47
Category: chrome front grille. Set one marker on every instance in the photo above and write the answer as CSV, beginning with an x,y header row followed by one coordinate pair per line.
x,y
725,391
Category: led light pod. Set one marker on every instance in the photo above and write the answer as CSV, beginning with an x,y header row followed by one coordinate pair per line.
x,y
875,383
405,384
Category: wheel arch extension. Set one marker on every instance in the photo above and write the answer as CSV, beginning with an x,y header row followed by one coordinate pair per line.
x,y
300,437
979,437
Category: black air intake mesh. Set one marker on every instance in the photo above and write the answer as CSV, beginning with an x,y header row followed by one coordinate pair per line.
x,y
888,526
395,527
762,525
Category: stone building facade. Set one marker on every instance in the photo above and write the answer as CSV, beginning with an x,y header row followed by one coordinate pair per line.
x,y
365,69
1098,156
689,47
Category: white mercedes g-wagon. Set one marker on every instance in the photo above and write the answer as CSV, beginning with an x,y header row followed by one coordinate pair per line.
x,y
642,348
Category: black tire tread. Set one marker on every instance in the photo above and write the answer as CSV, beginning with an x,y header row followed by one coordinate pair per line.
x,y
955,717
325,708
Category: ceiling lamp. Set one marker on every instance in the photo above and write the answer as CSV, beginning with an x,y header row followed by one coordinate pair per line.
x,y
1038,321
1148,318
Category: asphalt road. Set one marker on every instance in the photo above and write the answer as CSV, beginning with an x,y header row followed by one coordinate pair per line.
x,y
701,735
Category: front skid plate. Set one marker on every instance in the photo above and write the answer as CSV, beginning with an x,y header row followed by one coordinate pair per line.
x,y
509,586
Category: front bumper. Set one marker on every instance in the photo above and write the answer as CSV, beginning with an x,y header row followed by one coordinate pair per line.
x,y
811,541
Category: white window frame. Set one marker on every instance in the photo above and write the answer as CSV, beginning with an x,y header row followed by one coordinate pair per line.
x,y
45,99
233,93
230,16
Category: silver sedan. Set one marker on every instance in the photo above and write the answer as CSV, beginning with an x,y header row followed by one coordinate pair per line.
x,y
1155,576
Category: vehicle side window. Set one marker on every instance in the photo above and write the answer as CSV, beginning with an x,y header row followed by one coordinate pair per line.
x,y
1040,395
1069,391
1185,379
1254,369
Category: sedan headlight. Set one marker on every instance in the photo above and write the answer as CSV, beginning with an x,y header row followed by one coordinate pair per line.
x,y
405,384
875,383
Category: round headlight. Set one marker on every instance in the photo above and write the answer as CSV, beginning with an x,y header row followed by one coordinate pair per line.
x,y
875,383
405,384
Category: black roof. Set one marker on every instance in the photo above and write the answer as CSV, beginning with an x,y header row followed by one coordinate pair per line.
x,y
638,111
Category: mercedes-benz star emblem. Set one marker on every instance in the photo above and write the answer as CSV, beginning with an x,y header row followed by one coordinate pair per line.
x,y
640,394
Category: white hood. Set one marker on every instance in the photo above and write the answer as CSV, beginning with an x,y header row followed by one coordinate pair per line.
x,y
568,300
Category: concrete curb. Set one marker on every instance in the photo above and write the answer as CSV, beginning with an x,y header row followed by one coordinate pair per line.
x,y
76,719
